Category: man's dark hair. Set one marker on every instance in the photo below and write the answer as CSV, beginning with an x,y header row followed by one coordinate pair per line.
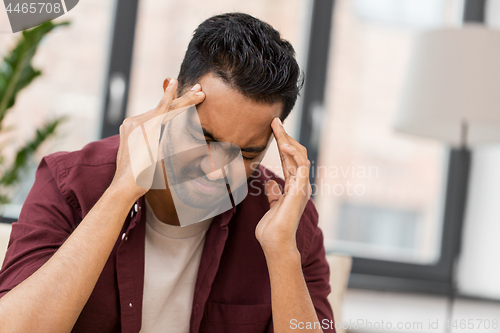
x,y
247,54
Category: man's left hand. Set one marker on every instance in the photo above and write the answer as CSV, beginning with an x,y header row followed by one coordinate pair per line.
x,y
276,231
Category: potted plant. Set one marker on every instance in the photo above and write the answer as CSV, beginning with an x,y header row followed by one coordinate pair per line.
x,y
17,72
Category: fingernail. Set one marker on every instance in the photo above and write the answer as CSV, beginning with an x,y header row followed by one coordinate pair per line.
x,y
171,82
196,86
199,93
279,121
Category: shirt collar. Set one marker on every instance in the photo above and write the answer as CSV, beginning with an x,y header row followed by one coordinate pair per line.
x,y
138,213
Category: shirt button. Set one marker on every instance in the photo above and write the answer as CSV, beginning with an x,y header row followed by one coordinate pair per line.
x,y
123,235
135,207
130,304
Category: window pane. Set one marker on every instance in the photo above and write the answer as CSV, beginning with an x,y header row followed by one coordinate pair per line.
x,y
380,192
73,63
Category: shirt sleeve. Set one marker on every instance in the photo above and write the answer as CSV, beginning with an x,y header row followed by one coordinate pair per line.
x,y
317,272
315,268
45,222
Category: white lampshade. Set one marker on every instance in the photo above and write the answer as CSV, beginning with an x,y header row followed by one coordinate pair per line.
x,y
453,77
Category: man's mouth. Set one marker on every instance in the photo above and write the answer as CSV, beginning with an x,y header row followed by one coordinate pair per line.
x,y
206,186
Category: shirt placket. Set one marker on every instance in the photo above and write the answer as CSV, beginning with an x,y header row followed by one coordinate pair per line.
x,y
209,264
130,269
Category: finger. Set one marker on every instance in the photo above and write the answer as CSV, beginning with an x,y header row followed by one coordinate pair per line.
x,y
295,143
297,194
167,98
288,160
273,192
165,85
285,138
298,189
279,132
301,173
192,97
303,185
280,135
294,154
284,165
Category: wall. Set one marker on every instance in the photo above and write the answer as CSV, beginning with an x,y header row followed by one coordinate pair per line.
x,y
479,266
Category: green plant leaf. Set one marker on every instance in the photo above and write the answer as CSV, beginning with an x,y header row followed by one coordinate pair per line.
x,y
16,71
4,199
11,176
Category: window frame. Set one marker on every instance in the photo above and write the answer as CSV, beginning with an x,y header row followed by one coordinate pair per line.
x,y
376,274
119,66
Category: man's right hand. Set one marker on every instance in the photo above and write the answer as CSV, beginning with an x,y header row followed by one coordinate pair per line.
x,y
52,298
124,179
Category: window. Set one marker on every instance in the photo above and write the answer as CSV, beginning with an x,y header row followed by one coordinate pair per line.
x,y
73,60
385,193
380,194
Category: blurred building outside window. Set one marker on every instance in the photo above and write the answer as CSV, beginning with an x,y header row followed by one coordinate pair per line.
x,y
381,194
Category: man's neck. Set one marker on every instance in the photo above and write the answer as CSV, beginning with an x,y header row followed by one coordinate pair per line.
x,y
163,206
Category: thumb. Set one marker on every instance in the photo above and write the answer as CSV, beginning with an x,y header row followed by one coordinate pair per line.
x,y
273,192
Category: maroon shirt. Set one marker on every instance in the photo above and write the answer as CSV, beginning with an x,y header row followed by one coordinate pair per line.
x,y
232,292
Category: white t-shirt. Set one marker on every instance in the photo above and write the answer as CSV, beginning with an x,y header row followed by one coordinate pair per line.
x,y
172,259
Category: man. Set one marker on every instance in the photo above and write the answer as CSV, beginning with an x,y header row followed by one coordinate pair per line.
x,y
94,252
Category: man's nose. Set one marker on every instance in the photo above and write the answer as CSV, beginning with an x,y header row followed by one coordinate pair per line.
x,y
211,165
212,174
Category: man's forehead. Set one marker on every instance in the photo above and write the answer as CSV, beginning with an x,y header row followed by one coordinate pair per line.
x,y
255,138
230,116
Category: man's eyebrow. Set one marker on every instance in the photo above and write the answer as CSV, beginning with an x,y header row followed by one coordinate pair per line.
x,y
209,135
252,149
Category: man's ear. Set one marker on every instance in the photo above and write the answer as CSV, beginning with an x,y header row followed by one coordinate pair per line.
x,y
165,85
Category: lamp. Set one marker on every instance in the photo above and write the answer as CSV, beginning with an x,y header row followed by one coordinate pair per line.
x,y
452,94
452,91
